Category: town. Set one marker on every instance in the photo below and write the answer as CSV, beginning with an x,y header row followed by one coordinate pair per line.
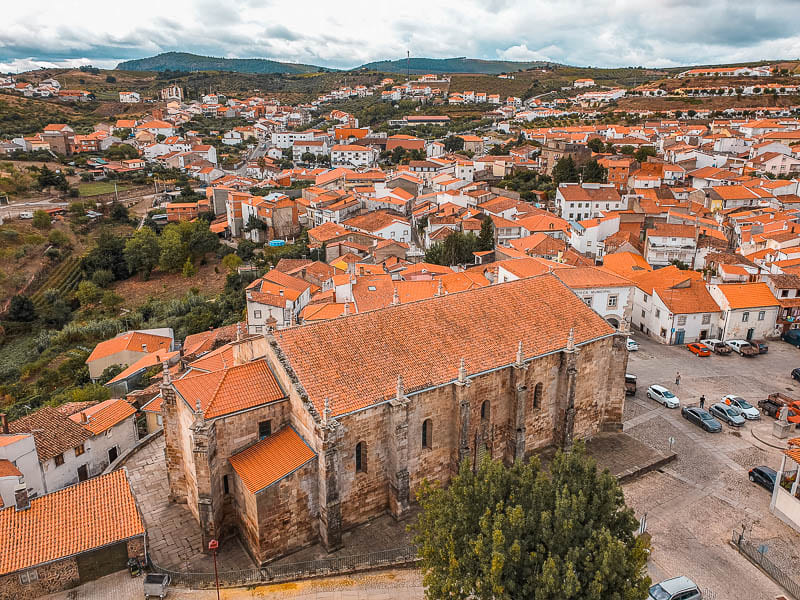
x,y
325,328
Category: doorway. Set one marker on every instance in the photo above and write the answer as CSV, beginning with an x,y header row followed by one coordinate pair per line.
x,y
112,454
704,334
750,333
679,335
83,473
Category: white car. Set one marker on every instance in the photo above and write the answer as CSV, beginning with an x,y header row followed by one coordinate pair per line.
x,y
662,395
632,345
748,411
743,347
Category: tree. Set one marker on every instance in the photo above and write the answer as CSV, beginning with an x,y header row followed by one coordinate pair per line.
x,y
643,152
246,250
486,236
111,79
231,262
41,220
308,157
109,373
142,252
520,532
172,250
111,300
200,240
453,143
55,312
21,309
565,171
88,293
58,238
457,248
189,270
627,149
102,278
595,145
108,253
593,172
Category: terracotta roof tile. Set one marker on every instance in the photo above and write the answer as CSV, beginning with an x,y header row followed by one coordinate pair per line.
x,y
54,433
7,469
748,295
424,341
215,360
79,518
134,341
271,459
104,415
230,390
591,277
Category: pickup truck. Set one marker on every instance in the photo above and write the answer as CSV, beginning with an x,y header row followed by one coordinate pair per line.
x,y
773,404
743,347
717,346
762,346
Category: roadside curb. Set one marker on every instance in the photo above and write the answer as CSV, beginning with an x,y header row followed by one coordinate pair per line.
x,y
753,433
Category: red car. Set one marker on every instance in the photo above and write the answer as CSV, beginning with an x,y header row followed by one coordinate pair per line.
x,y
699,349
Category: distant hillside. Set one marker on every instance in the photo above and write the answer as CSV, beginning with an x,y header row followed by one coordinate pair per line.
x,y
183,61
451,65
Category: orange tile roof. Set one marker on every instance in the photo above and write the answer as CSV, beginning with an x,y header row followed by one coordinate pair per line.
x,y
7,469
424,341
215,360
7,439
153,405
271,459
748,295
53,432
688,297
147,361
104,415
230,390
625,263
133,341
591,277
82,517
666,277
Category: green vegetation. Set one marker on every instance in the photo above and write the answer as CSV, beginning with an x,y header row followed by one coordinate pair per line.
x,y
86,190
450,65
458,247
184,61
502,532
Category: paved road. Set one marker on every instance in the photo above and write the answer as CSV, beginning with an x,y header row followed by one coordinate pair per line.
x,y
695,503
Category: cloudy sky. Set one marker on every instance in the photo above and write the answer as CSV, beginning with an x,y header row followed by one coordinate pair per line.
x,y
347,33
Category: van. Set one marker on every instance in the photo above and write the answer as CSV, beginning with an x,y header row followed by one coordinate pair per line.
x,y
26,215
792,337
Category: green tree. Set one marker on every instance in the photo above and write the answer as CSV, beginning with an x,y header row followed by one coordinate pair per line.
x,y
21,309
593,172
308,157
595,145
457,248
55,312
504,533
109,373
102,278
643,152
107,253
200,240
172,251
453,143
119,212
486,236
565,171
246,250
41,220
111,300
231,262
142,252
58,238
627,149
189,270
88,293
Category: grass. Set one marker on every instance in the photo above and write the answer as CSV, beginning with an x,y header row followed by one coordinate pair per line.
x,y
99,187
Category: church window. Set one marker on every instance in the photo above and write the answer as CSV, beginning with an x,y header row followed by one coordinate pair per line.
x,y
485,407
427,430
537,395
361,457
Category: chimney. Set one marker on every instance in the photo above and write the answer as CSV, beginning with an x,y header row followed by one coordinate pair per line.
x,y
21,497
4,422
84,418
144,347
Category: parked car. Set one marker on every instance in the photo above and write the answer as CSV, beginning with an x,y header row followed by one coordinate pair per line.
x,y
762,346
701,418
630,384
743,347
661,394
796,374
699,349
727,413
763,476
632,345
677,588
792,337
773,404
717,346
748,411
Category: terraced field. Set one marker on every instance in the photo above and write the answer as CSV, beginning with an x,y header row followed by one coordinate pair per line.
x,y
64,279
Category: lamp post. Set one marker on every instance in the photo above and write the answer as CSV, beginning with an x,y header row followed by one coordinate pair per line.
x,y
213,545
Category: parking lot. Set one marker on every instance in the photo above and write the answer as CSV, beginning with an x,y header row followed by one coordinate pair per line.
x,y
694,503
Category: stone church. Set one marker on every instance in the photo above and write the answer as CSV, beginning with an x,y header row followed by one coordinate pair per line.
x,y
315,429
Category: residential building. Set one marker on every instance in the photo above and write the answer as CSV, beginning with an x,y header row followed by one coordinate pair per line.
x,y
749,310
576,201
349,155
668,242
125,349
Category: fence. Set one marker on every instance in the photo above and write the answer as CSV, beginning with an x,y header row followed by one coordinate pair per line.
x,y
294,571
760,559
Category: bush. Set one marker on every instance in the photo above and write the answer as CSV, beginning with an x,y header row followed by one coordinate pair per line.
x,y
102,278
58,238
41,220
88,293
21,309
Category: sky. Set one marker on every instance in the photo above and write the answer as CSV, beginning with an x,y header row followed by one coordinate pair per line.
x,y
348,33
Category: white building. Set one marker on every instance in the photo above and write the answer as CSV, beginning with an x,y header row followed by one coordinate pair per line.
x,y
316,147
348,155
749,310
285,139
130,97
576,202
608,294
587,236
666,242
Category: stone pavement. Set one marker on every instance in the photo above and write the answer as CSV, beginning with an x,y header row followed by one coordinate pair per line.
x,y
173,535
399,584
694,503
624,456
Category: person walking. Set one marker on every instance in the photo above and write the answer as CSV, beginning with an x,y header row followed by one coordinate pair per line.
x,y
702,401
678,378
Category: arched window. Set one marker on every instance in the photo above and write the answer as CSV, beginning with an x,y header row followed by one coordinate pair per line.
x,y
427,431
537,395
485,407
361,457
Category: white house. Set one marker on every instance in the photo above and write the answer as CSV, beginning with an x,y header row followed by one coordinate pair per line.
x,y
285,139
130,97
750,310
608,294
315,147
575,201
381,224
587,236
275,300
19,462
349,155
666,242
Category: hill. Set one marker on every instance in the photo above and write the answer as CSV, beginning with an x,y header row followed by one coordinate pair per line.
x,y
184,61
450,65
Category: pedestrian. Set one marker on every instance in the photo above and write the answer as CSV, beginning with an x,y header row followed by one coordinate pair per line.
x,y
702,401
678,378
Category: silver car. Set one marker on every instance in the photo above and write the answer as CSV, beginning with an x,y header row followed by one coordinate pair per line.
x,y
661,394
677,588
729,414
748,411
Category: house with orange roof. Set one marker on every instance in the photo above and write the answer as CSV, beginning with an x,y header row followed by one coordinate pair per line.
x,y
112,424
59,540
18,462
668,242
674,306
750,310
608,294
126,349
588,236
275,300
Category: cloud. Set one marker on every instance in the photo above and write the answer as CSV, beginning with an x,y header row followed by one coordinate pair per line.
x,y
351,32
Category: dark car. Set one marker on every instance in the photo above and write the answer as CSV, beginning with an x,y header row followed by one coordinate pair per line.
x,y
796,374
701,418
792,337
730,415
762,346
763,476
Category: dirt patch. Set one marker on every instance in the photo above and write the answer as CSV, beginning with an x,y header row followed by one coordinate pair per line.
x,y
173,285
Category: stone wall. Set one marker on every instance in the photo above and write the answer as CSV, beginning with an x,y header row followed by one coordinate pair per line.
x,y
53,577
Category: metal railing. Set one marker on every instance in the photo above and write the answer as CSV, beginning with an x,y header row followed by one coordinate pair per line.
x,y
758,556
294,571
